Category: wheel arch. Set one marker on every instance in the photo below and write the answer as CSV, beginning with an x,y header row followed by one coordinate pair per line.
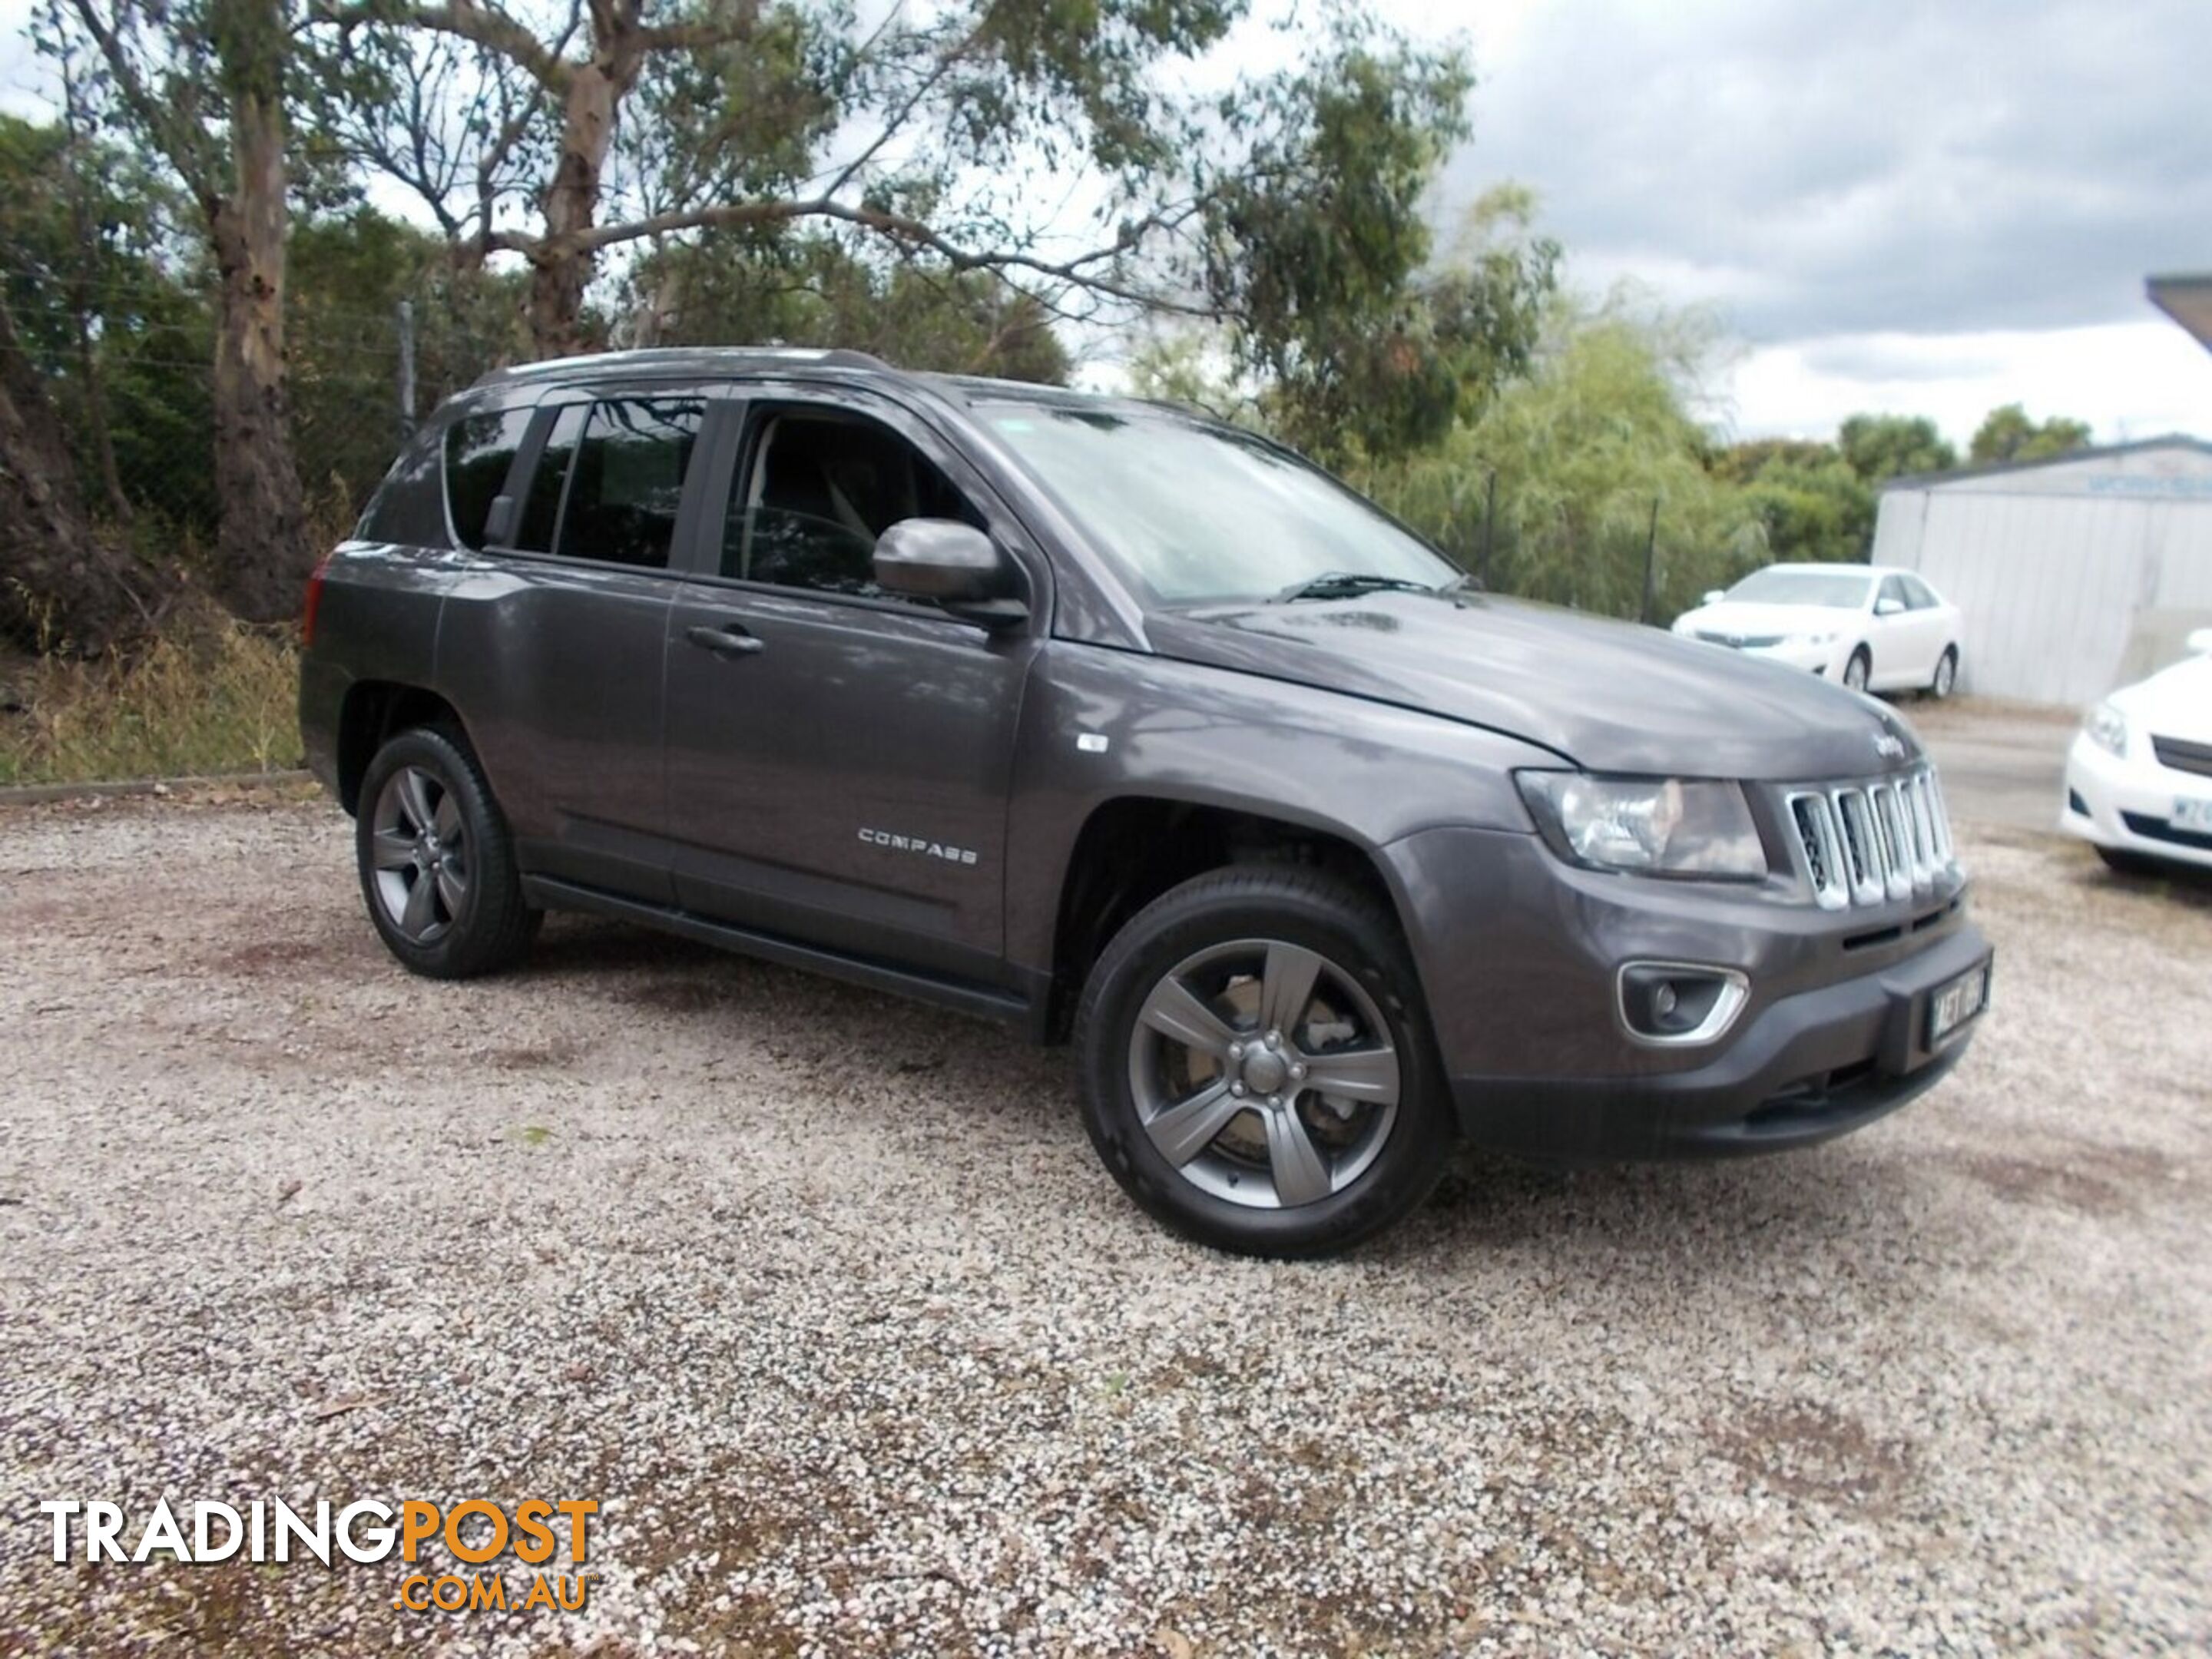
x,y
372,711
1132,848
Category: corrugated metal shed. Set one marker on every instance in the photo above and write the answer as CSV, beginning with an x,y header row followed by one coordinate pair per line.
x,y
2074,574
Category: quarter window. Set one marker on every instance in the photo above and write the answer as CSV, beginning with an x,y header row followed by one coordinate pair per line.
x,y
819,490
479,450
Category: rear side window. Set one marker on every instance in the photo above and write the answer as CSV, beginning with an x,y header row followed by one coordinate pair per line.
x,y
479,450
624,463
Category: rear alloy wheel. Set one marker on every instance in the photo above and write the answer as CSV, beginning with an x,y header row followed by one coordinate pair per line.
x,y
1859,669
437,869
1947,674
1257,1068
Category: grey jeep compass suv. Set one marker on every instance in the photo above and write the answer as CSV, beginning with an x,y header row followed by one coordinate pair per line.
x,y
1097,718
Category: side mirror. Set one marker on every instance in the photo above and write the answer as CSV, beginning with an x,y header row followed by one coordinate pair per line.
x,y
955,564
1888,607
2199,644
1713,596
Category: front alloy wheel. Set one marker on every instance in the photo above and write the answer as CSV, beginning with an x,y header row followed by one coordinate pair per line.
x,y
1258,1070
1264,1073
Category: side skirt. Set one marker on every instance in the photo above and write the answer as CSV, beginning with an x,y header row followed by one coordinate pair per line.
x,y
980,1001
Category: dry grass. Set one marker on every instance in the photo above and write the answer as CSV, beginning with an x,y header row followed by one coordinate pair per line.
x,y
224,702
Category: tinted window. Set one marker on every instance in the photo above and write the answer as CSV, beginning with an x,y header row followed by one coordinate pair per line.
x,y
1893,592
541,508
820,489
1918,594
627,480
410,505
479,449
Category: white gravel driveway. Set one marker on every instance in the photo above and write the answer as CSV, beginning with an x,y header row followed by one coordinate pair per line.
x,y
825,1297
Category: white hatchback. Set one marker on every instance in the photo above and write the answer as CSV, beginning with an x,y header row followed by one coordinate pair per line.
x,y
1870,627
2139,776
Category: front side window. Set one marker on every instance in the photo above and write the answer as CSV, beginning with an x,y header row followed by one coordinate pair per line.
x,y
820,489
1918,594
1197,512
479,450
1893,592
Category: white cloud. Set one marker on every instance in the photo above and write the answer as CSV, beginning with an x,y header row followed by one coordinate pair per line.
x,y
2127,379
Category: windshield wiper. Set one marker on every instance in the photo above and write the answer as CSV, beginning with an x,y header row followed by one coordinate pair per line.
x,y
1347,584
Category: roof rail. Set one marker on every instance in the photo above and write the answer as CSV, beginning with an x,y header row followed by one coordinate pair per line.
x,y
680,358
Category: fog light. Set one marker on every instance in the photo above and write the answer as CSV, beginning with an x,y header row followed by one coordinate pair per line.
x,y
1679,1002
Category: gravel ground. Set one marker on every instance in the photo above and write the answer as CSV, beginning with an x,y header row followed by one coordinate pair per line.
x,y
824,1298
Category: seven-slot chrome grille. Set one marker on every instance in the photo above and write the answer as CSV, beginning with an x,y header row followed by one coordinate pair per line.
x,y
1878,841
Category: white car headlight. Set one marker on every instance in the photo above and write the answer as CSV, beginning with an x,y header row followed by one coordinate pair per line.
x,y
1828,638
2108,729
1654,826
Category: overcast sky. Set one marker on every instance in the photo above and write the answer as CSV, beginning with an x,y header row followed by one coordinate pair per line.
x,y
1894,204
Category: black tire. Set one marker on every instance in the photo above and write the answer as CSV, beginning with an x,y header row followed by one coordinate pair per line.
x,y
1863,661
492,925
2123,863
1364,958
1946,679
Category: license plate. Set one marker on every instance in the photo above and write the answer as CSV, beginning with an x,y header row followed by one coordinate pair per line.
x,y
1953,1004
2191,813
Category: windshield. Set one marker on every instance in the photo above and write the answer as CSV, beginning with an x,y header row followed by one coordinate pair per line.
x,y
1197,512
1844,590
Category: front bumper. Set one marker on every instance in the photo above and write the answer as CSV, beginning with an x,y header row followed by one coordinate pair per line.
x,y
1518,954
1808,1068
2127,805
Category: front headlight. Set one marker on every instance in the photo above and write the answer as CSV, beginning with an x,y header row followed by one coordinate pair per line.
x,y
2108,729
1662,826
1814,639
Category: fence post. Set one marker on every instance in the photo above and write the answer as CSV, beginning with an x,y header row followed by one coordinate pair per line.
x,y
1489,525
406,370
1651,562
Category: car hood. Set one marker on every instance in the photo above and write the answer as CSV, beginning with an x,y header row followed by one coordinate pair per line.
x,y
2174,703
1609,696
1762,620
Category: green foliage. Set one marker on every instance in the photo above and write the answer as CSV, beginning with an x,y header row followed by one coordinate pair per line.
x,y
1583,449
1318,255
1882,446
2007,434
738,288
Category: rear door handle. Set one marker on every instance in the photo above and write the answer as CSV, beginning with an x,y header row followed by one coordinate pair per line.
x,y
730,641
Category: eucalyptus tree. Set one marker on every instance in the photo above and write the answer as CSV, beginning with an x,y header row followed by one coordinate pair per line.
x,y
202,84
1104,158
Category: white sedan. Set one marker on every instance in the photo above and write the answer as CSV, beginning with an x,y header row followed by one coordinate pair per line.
x,y
2139,776
1870,627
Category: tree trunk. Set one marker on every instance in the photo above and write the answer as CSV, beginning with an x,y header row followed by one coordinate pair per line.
x,y
559,267
262,543
62,587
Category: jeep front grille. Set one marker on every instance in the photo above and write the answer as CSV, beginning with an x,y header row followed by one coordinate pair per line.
x,y
1873,842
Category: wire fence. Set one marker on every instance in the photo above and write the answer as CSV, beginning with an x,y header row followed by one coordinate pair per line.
x,y
128,367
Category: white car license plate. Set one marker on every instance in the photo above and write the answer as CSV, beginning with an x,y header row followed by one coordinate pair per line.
x,y
2192,813
1953,1004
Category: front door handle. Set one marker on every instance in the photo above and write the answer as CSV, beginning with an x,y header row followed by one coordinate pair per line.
x,y
730,641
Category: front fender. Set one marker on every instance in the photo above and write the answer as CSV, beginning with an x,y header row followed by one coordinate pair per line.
x,y
1100,724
